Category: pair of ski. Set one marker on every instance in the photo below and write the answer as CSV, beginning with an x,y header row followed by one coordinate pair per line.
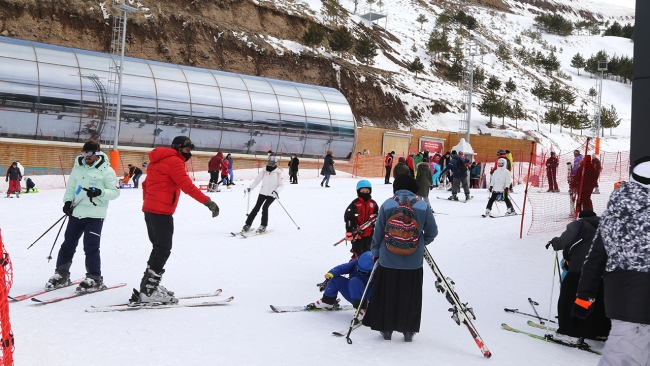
x,y
549,338
249,234
499,216
360,229
33,295
157,305
447,199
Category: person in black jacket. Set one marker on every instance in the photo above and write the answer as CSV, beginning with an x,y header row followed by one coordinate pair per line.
x,y
620,255
361,211
13,177
135,173
574,243
293,169
328,169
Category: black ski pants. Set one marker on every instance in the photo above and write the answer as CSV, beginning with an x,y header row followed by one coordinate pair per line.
x,y
293,176
387,178
360,246
266,201
214,176
493,197
160,229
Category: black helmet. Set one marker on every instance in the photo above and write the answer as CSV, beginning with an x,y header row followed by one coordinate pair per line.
x,y
181,142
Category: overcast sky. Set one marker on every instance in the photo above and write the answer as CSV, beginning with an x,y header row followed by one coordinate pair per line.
x,y
626,3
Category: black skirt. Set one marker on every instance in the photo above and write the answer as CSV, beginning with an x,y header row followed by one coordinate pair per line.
x,y
396,301
596,325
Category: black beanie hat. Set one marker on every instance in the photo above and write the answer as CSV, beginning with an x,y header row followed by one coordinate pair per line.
x,y
90,145
180,141
405,181
586,213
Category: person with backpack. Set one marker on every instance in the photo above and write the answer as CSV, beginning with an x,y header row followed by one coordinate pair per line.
x,y
499,183
388,164
360,212
271,178
458,165
350,287
405,224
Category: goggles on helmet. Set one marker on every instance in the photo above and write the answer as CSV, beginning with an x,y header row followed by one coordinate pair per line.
x,y
87,154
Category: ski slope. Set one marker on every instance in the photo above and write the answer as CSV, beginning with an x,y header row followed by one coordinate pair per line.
x,y
491,266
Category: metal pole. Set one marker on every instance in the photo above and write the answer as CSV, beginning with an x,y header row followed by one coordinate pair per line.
x,y
119,88
600,97
469,106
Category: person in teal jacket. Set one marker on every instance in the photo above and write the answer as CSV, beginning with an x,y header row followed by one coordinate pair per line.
x,y
91,185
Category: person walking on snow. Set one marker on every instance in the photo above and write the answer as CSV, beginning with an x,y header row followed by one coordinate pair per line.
x,y
13,177
91,171
458,165
328,169
620,258
269,192
551,172
388,165
293,169
166,178
359,212
214,168
350,287
499,183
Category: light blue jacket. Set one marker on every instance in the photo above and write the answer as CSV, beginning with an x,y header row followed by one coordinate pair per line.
x,y
424,218
99,175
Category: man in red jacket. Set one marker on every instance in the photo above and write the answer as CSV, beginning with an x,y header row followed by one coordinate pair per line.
x,y
166,178
388,164
214,167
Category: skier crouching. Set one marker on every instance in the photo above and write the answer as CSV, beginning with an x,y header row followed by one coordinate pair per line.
x,y
271,187
499,183
358,213
351,287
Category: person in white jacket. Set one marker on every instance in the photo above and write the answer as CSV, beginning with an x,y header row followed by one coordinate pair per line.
x,y
499,184
271,187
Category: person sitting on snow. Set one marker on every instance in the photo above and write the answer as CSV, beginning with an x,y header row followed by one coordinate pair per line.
x,y
351,287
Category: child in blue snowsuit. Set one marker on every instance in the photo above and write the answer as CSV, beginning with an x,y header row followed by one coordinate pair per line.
x,y
351,287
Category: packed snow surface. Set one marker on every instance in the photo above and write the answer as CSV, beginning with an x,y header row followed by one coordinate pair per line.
x,y
491,266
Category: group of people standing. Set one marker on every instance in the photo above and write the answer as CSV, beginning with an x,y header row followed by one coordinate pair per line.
x,y
582,177
220,165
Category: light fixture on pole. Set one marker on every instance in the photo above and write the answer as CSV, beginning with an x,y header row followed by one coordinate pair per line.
x,y
602,67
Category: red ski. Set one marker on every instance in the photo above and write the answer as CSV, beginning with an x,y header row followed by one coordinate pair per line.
x,y
76,294
41,292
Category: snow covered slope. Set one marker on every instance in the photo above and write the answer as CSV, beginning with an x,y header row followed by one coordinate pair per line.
x,y
492,269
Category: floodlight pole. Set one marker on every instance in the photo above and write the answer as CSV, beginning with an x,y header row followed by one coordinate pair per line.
x,y
472,53
602,67
126,9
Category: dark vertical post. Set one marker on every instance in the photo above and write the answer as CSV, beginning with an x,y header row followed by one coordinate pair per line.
x,y
640,129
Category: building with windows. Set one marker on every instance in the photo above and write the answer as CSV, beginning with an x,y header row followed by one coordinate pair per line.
x,y
59,93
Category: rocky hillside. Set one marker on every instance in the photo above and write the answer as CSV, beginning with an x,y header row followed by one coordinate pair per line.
x,y
264,38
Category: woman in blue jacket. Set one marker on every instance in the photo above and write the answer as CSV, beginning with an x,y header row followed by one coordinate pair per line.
x,y
396,301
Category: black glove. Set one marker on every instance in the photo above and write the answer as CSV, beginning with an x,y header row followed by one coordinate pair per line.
x,y
93,192
582,308
548,244
212,207
67,208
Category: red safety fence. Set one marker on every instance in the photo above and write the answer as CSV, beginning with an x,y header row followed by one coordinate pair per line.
x,y
6,280
556,196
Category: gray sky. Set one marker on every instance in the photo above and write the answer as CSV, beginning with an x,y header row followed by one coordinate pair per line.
x,y
626,3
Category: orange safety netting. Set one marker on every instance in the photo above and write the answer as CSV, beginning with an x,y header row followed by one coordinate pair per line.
x,y
7,336
587,186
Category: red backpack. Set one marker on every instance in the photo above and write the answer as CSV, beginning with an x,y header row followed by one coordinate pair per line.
x,y
402,232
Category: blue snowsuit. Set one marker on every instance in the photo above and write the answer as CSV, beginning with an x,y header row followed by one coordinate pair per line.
x,y
350,288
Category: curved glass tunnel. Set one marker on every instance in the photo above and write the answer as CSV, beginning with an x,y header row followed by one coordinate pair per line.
x,y
60,93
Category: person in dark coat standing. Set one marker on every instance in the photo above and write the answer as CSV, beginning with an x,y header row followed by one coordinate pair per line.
x,y
13,177
443,164
458,165
574,243
135,173
396,301
388,164
166,178
410,162
293,169
620,258
328,169
214,168
424,180
551,172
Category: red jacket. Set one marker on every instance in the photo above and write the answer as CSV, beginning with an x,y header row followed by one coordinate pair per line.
x,y
215,162
358,213
224,167
409,162
388,161
166,178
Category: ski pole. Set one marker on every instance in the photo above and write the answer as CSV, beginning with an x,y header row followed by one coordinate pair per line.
x,y
356,313
550,302
285,210
516,311
249,201
533,303
57,221
49,257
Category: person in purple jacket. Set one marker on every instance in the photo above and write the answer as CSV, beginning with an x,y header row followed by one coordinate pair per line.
x,y
577,159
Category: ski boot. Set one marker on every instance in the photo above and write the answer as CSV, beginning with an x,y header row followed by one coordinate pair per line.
x,y
487,213
151,290
261,229
596,190
245,229
510,212
386,334
565,339
60,278
453,197
467,197
17,194
91,284
327,303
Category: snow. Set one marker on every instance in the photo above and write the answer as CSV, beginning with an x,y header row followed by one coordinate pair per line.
x,y
491,272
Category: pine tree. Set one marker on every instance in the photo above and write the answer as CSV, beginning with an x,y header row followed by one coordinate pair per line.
x,y
490,106
341,39
608,119
551,63
455,71
593,93
438,43
479,76
493,84
421,19
366,49
552,118
517,113
578,62
583,120
540,91
503,52
510,87
415,66
313,36
333,10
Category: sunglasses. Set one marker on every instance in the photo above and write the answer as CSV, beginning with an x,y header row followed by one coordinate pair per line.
x,y
87,154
